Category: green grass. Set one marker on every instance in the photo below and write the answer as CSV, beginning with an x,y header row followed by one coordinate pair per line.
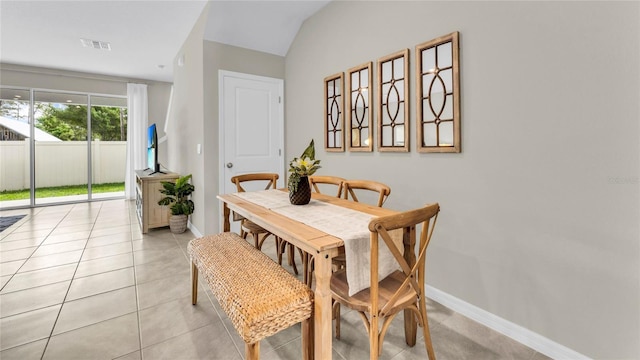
x,y
58,191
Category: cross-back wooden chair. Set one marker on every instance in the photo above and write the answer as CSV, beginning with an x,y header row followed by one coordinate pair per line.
x,y
351,187
258,233
316,180
402,290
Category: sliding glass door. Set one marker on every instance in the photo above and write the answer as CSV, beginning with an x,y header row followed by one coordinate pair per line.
x,y
108,146
61,147
15,147
73,150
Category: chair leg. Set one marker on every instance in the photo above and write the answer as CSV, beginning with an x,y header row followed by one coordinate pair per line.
x,y
307,339
256,240
291,255
425,330
279,249
252,351
336,317
194,283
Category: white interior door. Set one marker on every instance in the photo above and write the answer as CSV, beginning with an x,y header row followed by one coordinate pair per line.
x,y
251,126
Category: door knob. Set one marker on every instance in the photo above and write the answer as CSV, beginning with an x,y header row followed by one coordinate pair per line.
x,y
229,165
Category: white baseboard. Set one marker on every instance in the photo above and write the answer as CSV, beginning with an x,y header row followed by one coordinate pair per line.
x,y
520,334
194,230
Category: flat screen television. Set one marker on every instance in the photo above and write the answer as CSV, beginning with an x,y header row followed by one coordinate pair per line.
x,y
152,150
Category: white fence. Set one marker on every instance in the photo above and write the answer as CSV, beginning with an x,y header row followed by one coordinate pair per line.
x,y
61,163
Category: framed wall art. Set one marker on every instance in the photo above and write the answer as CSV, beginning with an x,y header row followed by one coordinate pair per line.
x,y
334,112
360,116
393,109
438,95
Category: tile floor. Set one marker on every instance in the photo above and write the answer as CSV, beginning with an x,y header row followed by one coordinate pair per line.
x,y
81,281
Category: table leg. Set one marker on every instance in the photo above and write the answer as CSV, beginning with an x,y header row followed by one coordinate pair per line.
x,y
225,217
322,307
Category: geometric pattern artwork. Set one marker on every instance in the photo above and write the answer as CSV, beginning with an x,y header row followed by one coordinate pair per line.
x,y
393,110
334,113
360,116
438,95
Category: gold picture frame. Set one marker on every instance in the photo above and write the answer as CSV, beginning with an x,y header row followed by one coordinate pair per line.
x,y
360,114
393,108
334,113
438,95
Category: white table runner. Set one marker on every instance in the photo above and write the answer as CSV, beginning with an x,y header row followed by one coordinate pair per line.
x,y
349,225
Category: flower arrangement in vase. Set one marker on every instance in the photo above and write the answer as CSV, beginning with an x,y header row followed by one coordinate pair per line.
x,y
300,168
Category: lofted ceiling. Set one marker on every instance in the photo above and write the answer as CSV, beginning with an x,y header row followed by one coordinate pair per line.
x,y
144,35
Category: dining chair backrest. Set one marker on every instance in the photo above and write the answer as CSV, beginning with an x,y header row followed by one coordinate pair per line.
x,y
269,178
349,188
330,180
404,288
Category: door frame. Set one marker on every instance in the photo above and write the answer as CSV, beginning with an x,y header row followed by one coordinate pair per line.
x,y
222,74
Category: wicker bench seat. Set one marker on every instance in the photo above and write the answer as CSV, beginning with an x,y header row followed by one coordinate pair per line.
x,y
258,295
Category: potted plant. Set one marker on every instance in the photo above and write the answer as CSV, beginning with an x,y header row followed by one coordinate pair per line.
x,y
300,168
179,203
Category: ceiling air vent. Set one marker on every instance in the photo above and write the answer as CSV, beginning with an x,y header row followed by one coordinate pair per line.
x,y
99,45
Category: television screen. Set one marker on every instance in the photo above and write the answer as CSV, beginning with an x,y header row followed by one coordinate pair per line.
x,y
152,146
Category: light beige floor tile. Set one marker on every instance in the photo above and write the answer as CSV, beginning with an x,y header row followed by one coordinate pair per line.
x,y
108,223
107,250
54,239
192,345
354,341
19,254
461,338
30,351
60,230
112,230
4,280
161,269
108,239
36,278
24,235
163,290
31,299
289,351
105,340
136,355
167,320
94,309
27,327
47,261
28,226
100,283
147,256
82,220
20,244
104,264
155,243
60,248
10,268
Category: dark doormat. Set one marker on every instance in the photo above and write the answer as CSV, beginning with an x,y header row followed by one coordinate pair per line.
x,y
6,221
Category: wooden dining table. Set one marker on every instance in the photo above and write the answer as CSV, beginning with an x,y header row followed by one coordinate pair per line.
x,y
321,245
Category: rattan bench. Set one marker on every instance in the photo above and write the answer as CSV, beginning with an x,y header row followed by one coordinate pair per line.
x,y
258,295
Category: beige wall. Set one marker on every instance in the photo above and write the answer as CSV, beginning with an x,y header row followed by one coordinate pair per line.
x,y
185,128
539,220
217,57
194,114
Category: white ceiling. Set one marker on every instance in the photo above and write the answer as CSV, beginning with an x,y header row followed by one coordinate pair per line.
x,y
145,35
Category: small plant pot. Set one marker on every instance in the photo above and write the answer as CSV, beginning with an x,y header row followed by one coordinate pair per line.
x,y
178,223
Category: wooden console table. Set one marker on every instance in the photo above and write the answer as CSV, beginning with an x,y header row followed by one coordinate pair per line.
x,y
150,214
